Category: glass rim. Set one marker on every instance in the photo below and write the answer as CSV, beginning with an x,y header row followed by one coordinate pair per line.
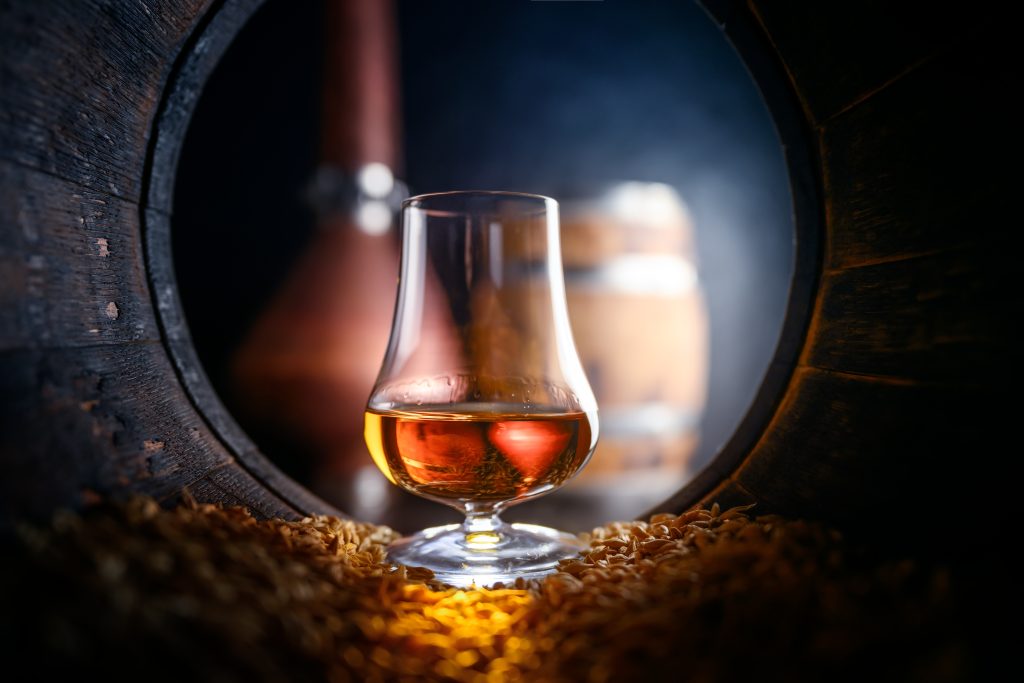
x,y
416,202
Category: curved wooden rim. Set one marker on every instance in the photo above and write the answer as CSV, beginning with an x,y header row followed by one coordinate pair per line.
x,y
199,58
803,163
195,64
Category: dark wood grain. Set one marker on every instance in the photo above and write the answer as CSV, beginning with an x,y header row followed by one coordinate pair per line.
x,y
853,449
920,166
70,270
840,52
936,318
91,404
101,420
81,82
232,485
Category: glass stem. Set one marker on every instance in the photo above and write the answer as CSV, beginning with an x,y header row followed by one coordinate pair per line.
x,y
483,526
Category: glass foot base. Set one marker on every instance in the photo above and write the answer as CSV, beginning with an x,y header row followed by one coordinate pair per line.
x,y
463,557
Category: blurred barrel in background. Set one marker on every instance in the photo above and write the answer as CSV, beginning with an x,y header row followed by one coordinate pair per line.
x,y
640,324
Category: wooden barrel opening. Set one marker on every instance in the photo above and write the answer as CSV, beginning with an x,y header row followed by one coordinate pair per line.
x,y
289,308
886,389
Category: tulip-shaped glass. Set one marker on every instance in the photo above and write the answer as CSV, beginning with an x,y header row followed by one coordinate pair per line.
x,y
481,402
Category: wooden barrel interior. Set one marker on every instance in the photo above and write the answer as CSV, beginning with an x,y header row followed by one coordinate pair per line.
x,y
885,389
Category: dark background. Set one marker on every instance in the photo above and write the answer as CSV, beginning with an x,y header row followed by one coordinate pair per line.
x,y
513,95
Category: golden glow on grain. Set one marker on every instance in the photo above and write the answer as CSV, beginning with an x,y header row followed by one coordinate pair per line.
x,y
462,628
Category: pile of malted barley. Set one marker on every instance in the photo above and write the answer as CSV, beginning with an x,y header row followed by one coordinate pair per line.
x,y
135,592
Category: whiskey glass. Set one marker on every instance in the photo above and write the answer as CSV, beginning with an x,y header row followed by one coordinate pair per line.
x,y
481,401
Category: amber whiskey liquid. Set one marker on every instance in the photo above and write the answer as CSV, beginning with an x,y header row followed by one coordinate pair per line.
x,y
450,453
